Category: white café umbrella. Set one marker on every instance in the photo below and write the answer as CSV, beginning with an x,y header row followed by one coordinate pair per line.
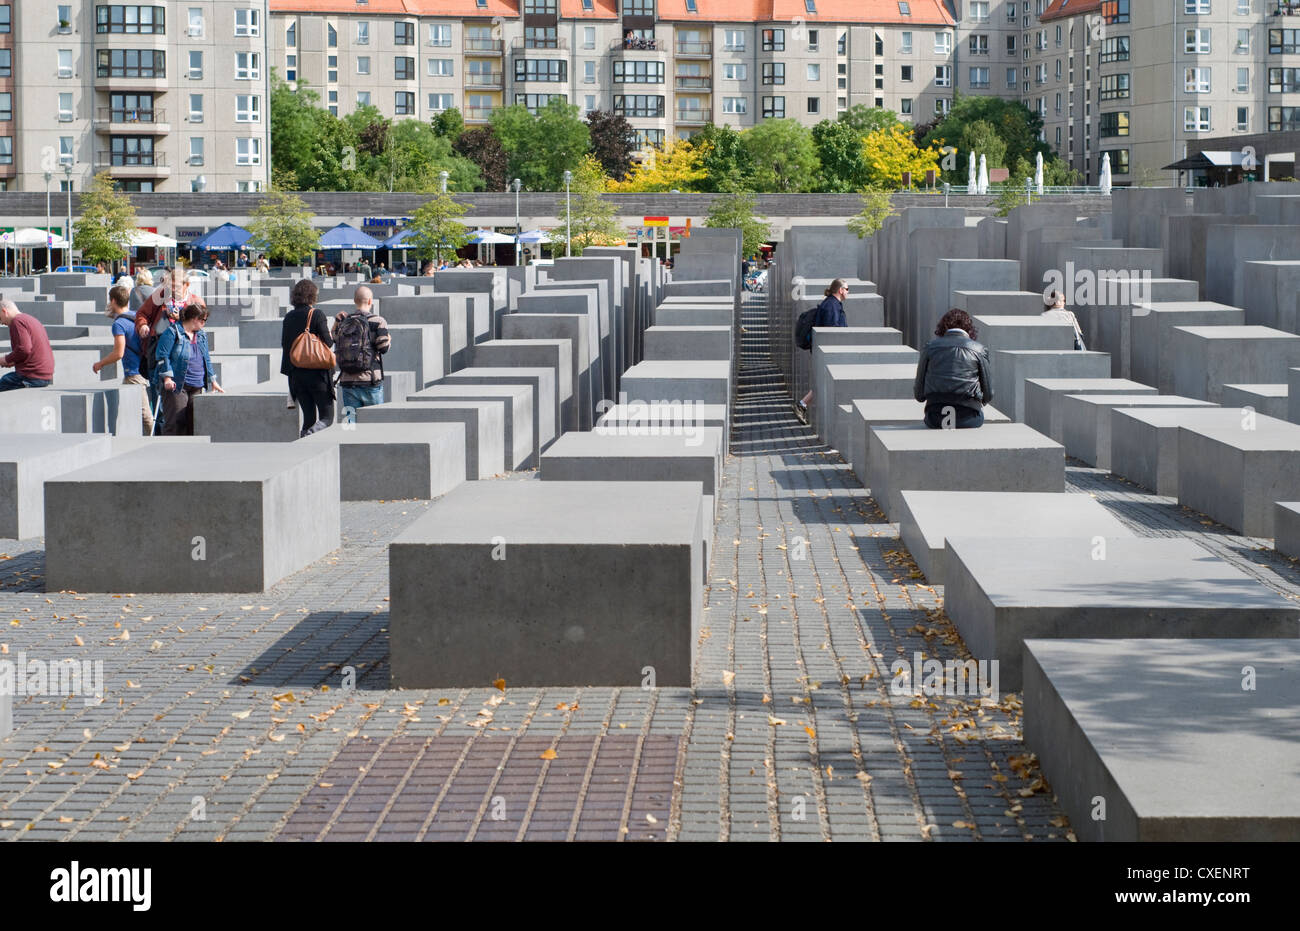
x,y
32,238
984,176
970,176
1104,182
1038,173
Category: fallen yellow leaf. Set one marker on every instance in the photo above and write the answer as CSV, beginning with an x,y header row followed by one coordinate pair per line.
x,y
500,684
548,754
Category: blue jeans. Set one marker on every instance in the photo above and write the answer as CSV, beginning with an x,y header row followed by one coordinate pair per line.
x,y
357,397
962,418
11,381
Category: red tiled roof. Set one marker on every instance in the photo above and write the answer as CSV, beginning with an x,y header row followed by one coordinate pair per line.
x,y
601,9
1060,9
453,8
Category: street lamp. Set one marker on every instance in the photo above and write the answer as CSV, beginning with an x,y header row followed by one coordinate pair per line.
x,y
517,184
442,177
568,216
48,263
67,231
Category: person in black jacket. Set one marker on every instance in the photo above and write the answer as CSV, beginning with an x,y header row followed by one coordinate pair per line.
x,y
953,376
312,389
830,312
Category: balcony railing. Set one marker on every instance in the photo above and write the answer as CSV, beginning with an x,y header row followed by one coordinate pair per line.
x,y
488,46
130,115
478,114
636,44
131,159
690,47
538,42
484,79
699,117
694,81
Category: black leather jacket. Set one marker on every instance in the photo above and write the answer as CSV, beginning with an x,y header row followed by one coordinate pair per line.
x,y
954,369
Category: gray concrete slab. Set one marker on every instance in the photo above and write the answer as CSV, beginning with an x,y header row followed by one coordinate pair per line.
x,y
689,343
541,380
709,382
1269,400
1043,398
1286,528
1017,332
1236,473
1086,421
1000,591
1205,358
863,414
537,353
27,461
484,423
571,327
1144,442
521,447
387,461
1012,367
1151,326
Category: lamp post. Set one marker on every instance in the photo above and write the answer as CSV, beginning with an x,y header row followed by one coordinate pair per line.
x,y
67,232
517,184
568,216
442,178
48,264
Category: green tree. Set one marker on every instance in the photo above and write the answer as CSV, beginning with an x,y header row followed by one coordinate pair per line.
x,y
482,147
108,222
414,156
541,148
982,138
436,226
592,218
839,149
282,227
727,163
1014,124
612,141
783,154
449,124
865,120
888,153
877,207
736,211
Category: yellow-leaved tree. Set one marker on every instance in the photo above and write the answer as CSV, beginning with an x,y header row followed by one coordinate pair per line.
x,y
890,151
678,167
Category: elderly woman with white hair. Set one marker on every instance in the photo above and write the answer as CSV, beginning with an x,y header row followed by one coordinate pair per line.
x,y
142,290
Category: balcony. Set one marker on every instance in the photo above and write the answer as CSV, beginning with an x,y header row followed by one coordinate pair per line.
x,y
478,114
694,82
526,44
484,80
637,44
692,117
133,164
484,46
692,49
132,120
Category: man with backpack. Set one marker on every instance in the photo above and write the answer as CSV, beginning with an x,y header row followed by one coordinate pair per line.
x,y
829,313
360,341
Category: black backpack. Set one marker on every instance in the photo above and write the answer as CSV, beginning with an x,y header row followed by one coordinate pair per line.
x,y
803,327
353,347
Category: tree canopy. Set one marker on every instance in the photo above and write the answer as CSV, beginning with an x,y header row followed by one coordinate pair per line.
x,y
784,156
282,227
107,223
591,217
541,148
436,227
736,211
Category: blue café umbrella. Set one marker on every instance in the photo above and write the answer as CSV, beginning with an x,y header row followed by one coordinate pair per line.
x,y
534,236
224,237
398,240
345,236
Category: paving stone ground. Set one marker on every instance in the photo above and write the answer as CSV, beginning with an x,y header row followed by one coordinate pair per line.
x,y
267,716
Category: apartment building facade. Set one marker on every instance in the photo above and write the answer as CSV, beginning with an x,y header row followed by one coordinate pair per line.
x,y
164,96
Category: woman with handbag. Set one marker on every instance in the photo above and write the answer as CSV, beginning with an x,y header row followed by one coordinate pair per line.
x,y
307,360
182,369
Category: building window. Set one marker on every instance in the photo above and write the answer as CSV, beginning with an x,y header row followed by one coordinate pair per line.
x,y
1113,124
1118,161
248,66
1243,42
733,40
551,70
942,106
588,72
842,44
363,64
291,36
638,72
1114,49
248,22
1283,41
129,151
130,63
1243,7
905,43
735,71
735,105
248,108
1280,119
905,106
814,72
403,68
196,108
1196,7
1283,80
588,36
1011,78
1243,119
196,65
440,68
774,40
363,98
440,35
943,43
363,33
6,107
1058,69
535,102
440,102
403,33
905,73
65,108
65,62
1196,42
248,151
814,105
196,150
1113,87
631,7
331,36
774,72
6,18
773,108
1243,80
943,75
6,63
130,19
1011,45
6,150
1114,11
67,150
1196,119
979,45
814,38
1197,80
979,77
404,103
639,105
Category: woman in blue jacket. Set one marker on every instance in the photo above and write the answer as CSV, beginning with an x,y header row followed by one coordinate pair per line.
x,y
830,312
182,369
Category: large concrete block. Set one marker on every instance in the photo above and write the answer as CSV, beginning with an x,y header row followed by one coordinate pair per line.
x,y
965,274
1205,358
1151,327
661,419
1292,395
1043,398
598,457
27,460
708,382
1107,324
541,380
253,514
247,417
1234,246
677,315
690,343
418,349
1013,332
1144,442
549,584
995,457
452,312
927,518
863,414
1011,368
999,303
521,447
387,461
574,329
856,336
1236,473
843,384
1269,400
1269,291
484,424
33,410
1165,733
1086,421
1001,591
1286,528
537,353
839,355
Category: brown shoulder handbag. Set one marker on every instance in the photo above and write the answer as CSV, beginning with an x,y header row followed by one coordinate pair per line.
x,y
307,351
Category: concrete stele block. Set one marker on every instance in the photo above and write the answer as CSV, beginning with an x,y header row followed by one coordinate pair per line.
x,y
864,414
27,461
521,448
1286,528
484,423
542,381
709,382
995,457
1012,367
549,584
1236,473
1160,729
1205,358
1086,421
1269,400
254,513
395,461
1043,398
1000,591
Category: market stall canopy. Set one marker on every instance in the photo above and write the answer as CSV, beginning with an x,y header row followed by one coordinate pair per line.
x,y
398,241
144,239
32,238
1202,161
345,236
225,236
